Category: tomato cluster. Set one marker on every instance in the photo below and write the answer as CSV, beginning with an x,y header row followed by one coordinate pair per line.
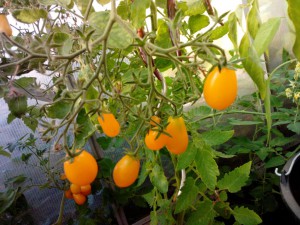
x,y
78,193
174,136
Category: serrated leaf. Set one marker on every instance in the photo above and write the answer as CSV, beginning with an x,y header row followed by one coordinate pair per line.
x,y
84,129
203,215
295,127
138,12
158,179
24,82
192,7
188,195
246,216
207,167
143,174
28,15
265,35
123,10
294,14
17,105
118,36
185,159
30,122
217,137
4,153
275,161
103,2
252,64
253,19
232,29
236,179
197,23
219,32
150,197
163,35
59,109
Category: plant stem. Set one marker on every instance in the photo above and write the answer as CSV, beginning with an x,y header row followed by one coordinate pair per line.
x,y
61,211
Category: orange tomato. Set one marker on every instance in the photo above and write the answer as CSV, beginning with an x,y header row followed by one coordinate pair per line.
x,y
75,189
4,25
126,171
154,120
178,141
109,124
220,88
80,199
86,189
82,169
68,194
155,142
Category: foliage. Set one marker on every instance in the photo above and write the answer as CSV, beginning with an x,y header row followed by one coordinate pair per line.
x,y
118,61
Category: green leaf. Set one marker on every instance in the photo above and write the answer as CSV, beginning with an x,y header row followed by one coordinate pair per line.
x,y
163,35
158,179
252,64
295,127
294,14
59,109
188,195
246,216
17,105
217,137
143,174
265,35
123,10
28,15
107,167
103,2
104,142
219,32
238,122
138,12
47,2
7,198
82,6
118,36
24,82
204,214
275,161
185,159
84,129
4,153
207,167
198,22
232,29
150,197
30,122
236,179
192,7
253,19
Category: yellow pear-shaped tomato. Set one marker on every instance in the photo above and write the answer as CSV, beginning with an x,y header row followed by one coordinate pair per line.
x,y
178,141
4,25
109,124
220,88
126,171
154,120
154,140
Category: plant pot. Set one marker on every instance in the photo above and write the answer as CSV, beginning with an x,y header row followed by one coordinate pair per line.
x,y
290,185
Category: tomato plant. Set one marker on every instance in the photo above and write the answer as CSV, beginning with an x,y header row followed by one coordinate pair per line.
x,y
126,171
220,88
81,169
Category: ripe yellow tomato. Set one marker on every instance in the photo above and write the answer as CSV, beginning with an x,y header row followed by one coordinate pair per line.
x,y
126,171
68,194
82,169
80,199
109,124
75,189
178,141
86,189
154,120
155,142
4,25
220,88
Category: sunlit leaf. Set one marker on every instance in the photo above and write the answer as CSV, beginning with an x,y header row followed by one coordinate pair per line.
x,y
294,14
28,15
